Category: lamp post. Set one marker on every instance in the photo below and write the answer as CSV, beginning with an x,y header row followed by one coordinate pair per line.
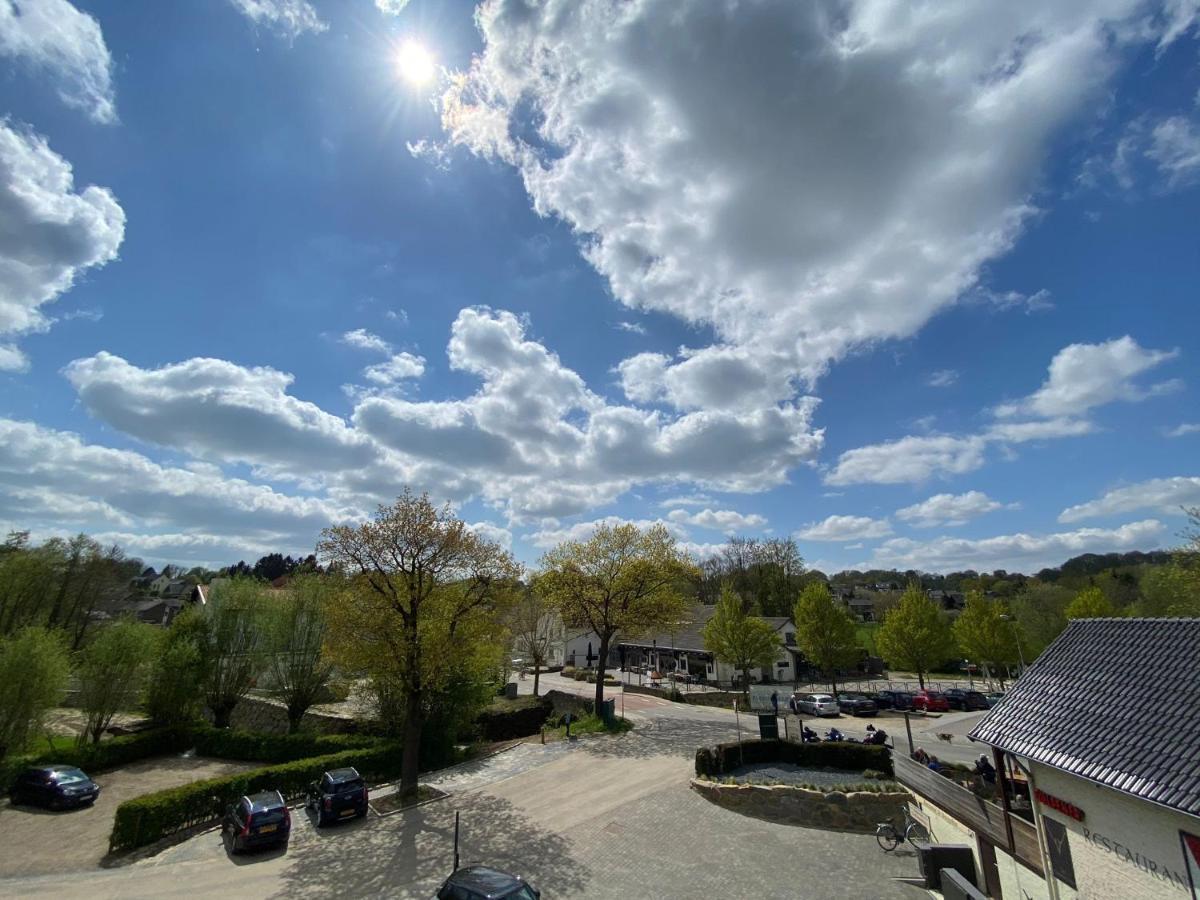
x,y
1016,637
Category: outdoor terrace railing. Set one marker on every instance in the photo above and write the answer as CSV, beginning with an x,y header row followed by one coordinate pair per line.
x,y
982,816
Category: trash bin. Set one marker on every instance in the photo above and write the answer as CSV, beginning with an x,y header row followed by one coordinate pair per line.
x,y
510,690
608,710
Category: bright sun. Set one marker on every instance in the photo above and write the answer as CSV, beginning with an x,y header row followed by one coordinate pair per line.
x,y
414,63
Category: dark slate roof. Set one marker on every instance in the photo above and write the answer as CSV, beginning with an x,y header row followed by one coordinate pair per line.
x,y
1116,701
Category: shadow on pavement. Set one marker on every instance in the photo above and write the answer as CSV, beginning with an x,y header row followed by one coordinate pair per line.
x,y
411,854
662,736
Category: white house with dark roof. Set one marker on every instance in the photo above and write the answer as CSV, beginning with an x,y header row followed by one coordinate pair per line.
x,y
1097,752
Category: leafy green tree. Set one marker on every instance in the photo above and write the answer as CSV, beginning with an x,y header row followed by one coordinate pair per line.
x,y
741,640
176,692
231,645
985,633
1040,612
536,630
112,673
915,634
1171,590
420,611
1090,603
622,579
297,626
34,666
824,631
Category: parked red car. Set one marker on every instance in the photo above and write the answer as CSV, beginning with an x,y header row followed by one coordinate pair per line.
x,y
931,701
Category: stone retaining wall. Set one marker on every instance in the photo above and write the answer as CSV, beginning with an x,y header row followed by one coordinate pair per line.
x,y
858,811
568,703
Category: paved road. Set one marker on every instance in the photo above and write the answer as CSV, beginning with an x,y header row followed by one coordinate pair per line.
x,y
602,817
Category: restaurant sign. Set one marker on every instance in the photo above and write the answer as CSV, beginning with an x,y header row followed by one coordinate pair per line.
x,y
1067,809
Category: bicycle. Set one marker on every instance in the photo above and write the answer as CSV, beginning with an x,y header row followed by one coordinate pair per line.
x,y
889,837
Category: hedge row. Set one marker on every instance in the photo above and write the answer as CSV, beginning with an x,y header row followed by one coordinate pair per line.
x,y
108,754
146,819
715,761
506,721
224,743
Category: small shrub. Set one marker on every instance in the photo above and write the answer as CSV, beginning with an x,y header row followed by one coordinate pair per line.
x,y
503,721
568,671
611,682
225,743
873,774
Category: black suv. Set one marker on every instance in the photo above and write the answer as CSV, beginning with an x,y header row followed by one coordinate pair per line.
x,y
260,820
857,705
56,787
898,699
485,883
969,700
340,794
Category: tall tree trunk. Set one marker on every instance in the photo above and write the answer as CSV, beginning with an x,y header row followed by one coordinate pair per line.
x,y
921,679
410,764
601,663
295,715
536,670
833,682
222,714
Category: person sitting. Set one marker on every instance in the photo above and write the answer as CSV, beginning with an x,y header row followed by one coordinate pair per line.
x,y
876,736
921,756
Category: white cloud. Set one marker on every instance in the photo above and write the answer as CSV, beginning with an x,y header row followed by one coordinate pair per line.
x,y
398,368
1014,552
804,236
1164,495
50,479
1175,148
51,234
54,38
12,359
220,411
362,339
391,7
1038,301
1178,431
909,459
631,327
726,520
489,531
1020,432
1083,376
716,377
845,528
582,531
690,500
948,509
942,378
287,18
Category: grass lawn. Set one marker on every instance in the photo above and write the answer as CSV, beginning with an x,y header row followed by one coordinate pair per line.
x,y
865,632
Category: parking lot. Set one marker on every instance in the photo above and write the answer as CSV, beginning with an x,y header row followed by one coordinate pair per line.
x,y
37,841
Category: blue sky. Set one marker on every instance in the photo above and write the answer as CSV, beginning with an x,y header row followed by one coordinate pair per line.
x,y
916,285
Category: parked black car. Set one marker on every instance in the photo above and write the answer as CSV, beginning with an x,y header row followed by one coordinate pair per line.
x,y
260,820
881,698
899,699
960,699
486,883
55,787
857,705
340,794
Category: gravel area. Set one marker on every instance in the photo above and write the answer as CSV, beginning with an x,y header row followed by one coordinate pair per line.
x,y
786,773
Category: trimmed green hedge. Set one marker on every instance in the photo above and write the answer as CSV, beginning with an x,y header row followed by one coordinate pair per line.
x,y
224,743
108,754
146,819
504,721
715,761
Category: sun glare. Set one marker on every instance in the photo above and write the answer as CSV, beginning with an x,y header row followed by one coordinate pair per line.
x,y
415,64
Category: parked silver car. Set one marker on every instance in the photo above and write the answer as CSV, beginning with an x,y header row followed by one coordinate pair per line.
x,y
817,704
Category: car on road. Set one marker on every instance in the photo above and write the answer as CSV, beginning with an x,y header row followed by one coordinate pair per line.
x,y
882,701
857,705
258,820
994,697
931,701
55,787
899,700
817,704
681,677
966,700
340,794
486,883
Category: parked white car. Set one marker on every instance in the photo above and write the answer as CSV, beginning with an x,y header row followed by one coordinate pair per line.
x,y
817,704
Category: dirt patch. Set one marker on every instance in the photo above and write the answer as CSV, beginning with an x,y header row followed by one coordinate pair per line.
x,y
393,802
39,842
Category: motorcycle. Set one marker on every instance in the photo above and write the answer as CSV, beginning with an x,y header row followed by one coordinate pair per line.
x,y
834,735
809,736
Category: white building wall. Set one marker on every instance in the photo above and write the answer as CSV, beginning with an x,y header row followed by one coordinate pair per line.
x,y
1125,848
